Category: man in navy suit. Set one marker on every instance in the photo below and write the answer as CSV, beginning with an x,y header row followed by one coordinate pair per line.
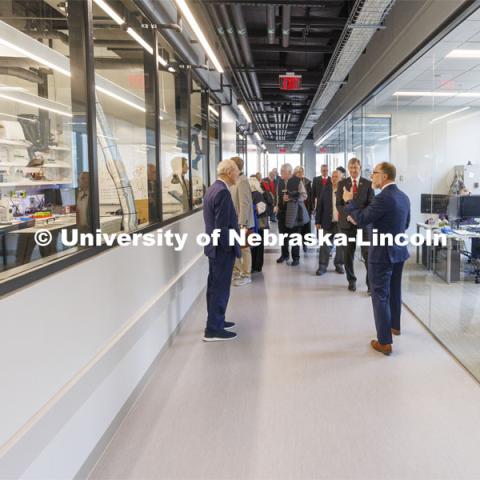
x,y
219,213
389,212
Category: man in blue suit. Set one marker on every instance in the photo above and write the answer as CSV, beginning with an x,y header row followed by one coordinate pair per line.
x,y
389,212
219,213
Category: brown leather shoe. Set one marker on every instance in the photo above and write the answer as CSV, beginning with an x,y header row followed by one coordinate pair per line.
x,y
395,332
380,347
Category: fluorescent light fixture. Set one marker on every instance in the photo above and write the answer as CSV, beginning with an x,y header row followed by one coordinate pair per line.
x,y
244,113
241,137
213,110
461,53
119,98
162,61
187,13
328,135
16,118
12,89
387,138
36,105
171,70
110,12
258,137
140,40
435,120
34,57
438,94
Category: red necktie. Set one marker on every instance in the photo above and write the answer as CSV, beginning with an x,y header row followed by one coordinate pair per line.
x,y
324,181
355,185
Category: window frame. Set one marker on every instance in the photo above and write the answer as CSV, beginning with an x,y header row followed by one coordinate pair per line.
x,y
84,17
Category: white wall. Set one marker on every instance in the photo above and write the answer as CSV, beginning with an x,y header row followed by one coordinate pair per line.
x,y
74,346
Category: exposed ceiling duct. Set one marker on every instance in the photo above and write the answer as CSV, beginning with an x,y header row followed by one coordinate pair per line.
x,y
286,18
365,19
271,24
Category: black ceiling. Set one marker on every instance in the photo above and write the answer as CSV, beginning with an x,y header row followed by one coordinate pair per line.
x,y
311,31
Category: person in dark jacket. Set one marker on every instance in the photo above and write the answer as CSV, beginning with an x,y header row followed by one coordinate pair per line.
x,y
326,218
307,227
260,208
388,213
290,189
363,195
219,213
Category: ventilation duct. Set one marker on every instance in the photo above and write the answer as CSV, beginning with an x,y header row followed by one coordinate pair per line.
x,y
366,17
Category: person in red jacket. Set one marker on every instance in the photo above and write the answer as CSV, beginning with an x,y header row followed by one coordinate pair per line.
x,y
268,185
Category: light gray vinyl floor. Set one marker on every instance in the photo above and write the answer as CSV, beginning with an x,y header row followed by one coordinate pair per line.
x,y
300,395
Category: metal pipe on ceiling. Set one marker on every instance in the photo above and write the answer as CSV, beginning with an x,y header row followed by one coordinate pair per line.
x,y
242,33
271,27
286,18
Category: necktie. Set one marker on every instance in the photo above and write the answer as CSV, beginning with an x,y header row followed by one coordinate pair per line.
x,y
324,181
355,189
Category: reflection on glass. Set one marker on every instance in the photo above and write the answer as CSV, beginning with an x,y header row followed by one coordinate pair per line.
x,y
42,144
124,143
174,146
198,140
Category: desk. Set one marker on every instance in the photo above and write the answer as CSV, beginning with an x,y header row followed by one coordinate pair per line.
x,y
430,250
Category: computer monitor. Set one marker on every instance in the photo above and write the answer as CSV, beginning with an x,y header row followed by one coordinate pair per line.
x,y
470,206
434,203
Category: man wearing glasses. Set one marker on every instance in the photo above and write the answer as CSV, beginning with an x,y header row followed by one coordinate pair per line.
x,y
388,213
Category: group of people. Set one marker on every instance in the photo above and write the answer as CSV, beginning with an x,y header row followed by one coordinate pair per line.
x,y
339,205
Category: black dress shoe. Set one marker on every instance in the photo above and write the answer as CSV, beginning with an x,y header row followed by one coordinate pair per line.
x,y
228,325
218,336
281,259
339,269
320,271
352,286
295,262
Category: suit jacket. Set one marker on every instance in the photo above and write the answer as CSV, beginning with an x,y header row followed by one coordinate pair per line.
x,y
363,198
242,200
324,210
219,212
317,190
308,188
389,212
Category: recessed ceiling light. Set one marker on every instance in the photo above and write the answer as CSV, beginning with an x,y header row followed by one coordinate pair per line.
x,y
435,120
461,53
244,113
438,94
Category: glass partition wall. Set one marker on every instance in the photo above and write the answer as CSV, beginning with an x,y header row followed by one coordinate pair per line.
x,y
119,143
426,121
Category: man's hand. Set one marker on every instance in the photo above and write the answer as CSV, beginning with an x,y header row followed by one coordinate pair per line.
x,y
318,226
351,220
275,210
347,195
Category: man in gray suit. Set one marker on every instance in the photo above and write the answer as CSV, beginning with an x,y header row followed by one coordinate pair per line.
x,y
243,202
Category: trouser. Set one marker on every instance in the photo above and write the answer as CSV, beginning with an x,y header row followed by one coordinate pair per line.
x,y
243,265
307,228
218,289
324,254
257,254
386,283
349,254
289,231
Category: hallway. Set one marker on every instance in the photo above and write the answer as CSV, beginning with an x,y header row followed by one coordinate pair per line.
x,y
300,394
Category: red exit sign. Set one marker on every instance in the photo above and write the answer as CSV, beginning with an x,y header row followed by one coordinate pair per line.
x,y
290,81
282,150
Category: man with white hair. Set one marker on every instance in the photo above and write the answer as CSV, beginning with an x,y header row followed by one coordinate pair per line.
x,y
219,213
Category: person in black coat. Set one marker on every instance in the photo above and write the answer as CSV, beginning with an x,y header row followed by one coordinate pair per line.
x,y
326,218
307,227
363,194
261,201
318,185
